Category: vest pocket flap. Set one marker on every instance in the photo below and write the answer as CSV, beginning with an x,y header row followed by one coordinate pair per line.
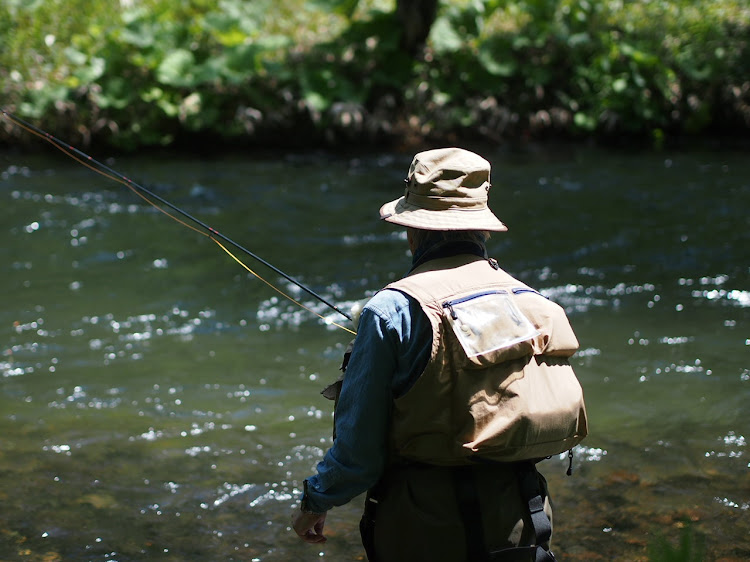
x,y
490,327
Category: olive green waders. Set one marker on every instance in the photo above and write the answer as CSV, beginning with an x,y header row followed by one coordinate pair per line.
x,y
471,513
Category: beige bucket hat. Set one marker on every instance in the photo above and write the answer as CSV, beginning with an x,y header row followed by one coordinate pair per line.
x,y
446,189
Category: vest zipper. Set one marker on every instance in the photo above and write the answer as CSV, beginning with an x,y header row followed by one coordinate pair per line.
x,y
519,290
449,304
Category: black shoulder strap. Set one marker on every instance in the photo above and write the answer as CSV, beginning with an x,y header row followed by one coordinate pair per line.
x,y
528,481
531,492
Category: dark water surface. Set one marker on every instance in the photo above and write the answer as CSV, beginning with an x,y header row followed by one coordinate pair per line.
x,y
158,402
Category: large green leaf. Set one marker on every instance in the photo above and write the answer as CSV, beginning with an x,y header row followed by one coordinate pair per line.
x,y
343,7
176,69
444,38
86,69
496,61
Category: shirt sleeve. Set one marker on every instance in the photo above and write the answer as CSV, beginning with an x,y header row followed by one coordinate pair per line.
x,y
384,358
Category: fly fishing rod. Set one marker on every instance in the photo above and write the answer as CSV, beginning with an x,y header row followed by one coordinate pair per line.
x,y
151,197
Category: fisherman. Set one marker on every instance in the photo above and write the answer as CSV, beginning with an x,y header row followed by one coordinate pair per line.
x,y
457,383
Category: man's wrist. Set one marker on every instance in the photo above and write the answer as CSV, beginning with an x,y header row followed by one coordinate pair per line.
x,y
304,505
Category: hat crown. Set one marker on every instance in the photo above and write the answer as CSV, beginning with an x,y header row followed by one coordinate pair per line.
x,y
449,172
446,189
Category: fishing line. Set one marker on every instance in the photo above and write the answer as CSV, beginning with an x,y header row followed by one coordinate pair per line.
x,y
204,229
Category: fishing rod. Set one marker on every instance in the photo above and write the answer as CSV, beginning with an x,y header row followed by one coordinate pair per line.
x,y
150,197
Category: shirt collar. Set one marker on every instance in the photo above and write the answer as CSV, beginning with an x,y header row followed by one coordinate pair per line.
x,y
446,249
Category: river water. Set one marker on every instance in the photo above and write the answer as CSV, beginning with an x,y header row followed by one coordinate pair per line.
x,y
159,402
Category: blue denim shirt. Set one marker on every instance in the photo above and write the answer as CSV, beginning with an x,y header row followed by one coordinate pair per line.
x,y
392,349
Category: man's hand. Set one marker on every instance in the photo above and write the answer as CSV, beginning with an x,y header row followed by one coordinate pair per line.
x,y
309,526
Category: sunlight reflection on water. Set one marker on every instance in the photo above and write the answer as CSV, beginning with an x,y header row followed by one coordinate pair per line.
x,y
149,383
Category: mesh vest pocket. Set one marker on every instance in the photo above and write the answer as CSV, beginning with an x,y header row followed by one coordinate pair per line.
x,y
490,327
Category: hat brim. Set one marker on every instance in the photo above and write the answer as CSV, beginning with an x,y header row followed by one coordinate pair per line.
x,y
403,213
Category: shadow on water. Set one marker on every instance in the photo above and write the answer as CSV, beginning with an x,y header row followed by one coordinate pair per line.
x,y
159,402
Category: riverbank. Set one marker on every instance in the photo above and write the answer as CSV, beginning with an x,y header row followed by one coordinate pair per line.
x,y
335,73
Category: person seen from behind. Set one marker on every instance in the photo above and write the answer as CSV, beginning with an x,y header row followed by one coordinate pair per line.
x,y
457,384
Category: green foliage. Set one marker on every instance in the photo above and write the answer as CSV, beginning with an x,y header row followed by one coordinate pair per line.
x,y
144,72
344,7
601,67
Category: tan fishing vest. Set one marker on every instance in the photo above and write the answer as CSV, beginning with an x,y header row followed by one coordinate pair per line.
x,y
498,384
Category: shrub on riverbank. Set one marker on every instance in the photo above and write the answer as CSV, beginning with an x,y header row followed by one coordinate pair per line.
x,y
135,73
